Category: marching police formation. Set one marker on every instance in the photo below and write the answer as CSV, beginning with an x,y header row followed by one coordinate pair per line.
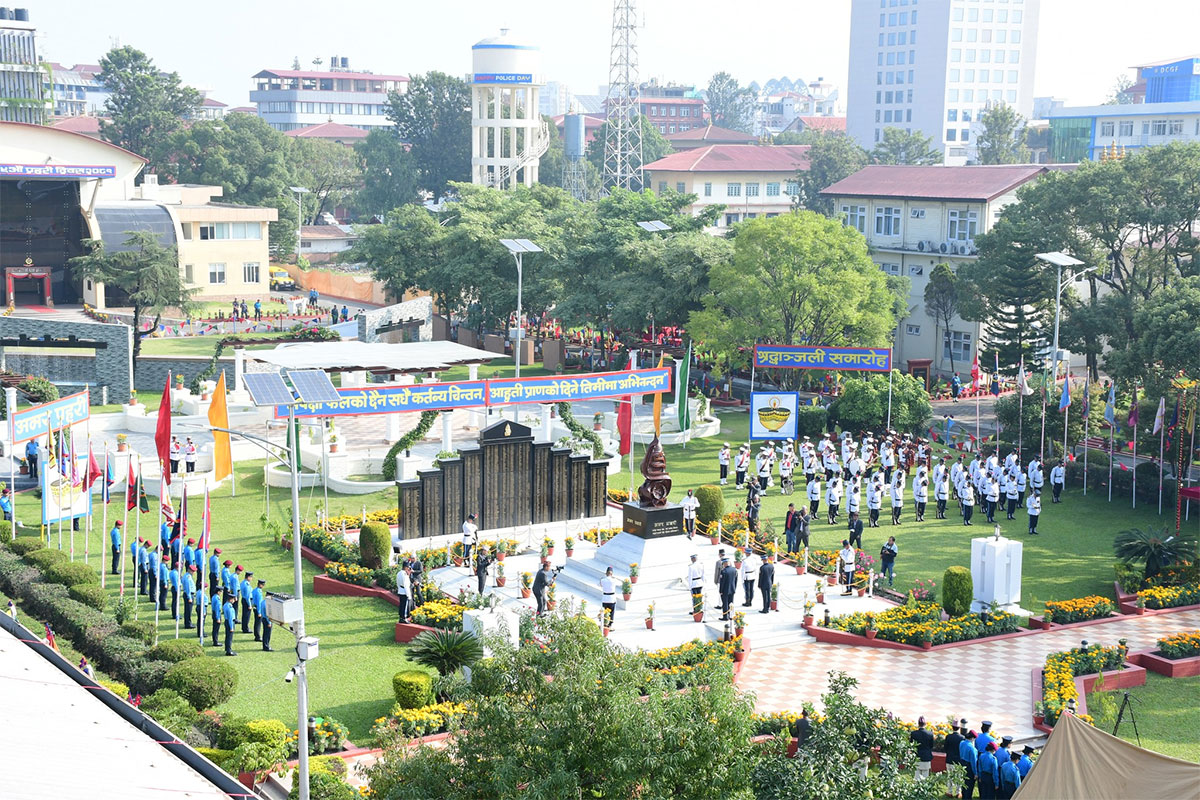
x,y
992,765
172,570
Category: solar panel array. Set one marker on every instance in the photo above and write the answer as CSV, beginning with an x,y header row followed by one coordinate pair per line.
x,y
268,389
520,246
313,386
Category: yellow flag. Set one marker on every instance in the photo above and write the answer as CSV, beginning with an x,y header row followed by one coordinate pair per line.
x,y
218,417
658,404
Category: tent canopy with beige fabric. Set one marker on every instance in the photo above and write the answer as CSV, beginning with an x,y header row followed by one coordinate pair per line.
x,y
1081,762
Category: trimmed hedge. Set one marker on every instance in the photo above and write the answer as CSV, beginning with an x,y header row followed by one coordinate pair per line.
x,y
171,711
45,558
90,594
26,544
204,682
957,590
215,755
255,731
6,534
175,650
374,544
142,630
712,504
811,421
72,574
413,688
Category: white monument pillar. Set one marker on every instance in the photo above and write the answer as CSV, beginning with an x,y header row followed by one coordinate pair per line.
x,y
996,574
239,368
447,438
473,372
546,422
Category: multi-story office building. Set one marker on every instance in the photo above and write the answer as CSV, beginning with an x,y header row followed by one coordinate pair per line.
x,y
672,108
935,66
1173,81
1085,132
291,98
75,90
23,97
915,218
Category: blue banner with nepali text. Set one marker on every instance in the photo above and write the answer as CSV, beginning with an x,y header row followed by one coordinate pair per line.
x,y
796,356
40,420
592,386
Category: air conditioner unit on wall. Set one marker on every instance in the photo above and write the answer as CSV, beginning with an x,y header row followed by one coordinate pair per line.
x,y
921,246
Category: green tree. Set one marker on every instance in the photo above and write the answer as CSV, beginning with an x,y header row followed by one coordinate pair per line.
x,y
434,117
900,147
1168,339
581,720
795,137
654,146
328,170
1156,548
400,251
144,104
729,104
1002,140
145,271
787,283
832,157
941,301
1120,94
864,403
389,175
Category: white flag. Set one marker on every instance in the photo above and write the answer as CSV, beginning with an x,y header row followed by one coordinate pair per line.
x,y
1160,417
1023,380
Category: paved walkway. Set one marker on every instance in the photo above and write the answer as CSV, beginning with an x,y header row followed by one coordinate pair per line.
x,y
988,680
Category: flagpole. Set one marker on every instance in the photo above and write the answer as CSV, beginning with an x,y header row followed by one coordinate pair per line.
x,y
1112,432
137,520
1191,450
1020,409
87,531
71,494
158,530
10,401
1162,429
1178,466
1066,414
1086,417
59,462
104,523
1042,442
125,533
182,532
1134,490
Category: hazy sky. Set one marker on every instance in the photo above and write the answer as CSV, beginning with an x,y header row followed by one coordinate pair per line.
x,y
219,44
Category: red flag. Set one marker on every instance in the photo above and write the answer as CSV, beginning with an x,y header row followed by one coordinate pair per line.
x,y
1070,456
625,424
1129,445
131,489
94,472
1124,467
975,383
162,431
206,528
183,514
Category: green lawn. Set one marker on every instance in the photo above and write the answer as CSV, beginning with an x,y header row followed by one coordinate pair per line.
x,y
1167,712
500,368
351,680
196,345
1071,558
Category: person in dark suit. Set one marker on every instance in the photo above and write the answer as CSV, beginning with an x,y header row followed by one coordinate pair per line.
x,y
728,586
541,584
856,530
483,560
953,740
790,526
766,579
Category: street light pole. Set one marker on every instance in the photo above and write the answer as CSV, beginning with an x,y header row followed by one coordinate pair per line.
x,y
520,320
301,665
299,190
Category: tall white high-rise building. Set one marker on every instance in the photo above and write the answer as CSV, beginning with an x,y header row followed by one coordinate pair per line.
x,y
934,66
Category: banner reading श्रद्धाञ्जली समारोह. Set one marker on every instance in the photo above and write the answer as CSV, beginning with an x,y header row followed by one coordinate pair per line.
x,y
798,356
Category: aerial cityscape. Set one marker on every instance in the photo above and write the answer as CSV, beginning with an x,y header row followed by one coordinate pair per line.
x,y
633,399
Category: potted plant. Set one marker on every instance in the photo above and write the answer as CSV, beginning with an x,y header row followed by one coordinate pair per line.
x,y
870,630
739,622
178,380
926,642
133,397
547,547
544,552
831,578
24,466
526,584
774,596
551,598
1140,604
606,620
456,554
862,589
738,653
808,609
122,443
627,589
738,555
633,572
1039,713
500,579
698,607
714,536
333,442
253,759
598,421
206,388
801,569
771,550
820,591
569,546
501,550
650,617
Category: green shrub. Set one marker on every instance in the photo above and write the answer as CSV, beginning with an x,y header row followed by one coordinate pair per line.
x,y
45,558
6,533
712,505
215,755
334,765
323,786
413,688
445,651
205,682
254,731
957,591
116,687
148,676
72,573
141,629
810,421
170,710
90,594
38,390
374,544
26,544
175,650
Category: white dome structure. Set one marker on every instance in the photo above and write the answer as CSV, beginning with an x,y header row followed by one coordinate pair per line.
x,y
508,136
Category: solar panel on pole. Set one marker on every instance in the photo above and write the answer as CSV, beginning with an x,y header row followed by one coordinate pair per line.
x,y
268,389
313,386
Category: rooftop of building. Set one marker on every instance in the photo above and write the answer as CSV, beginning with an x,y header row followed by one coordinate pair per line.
x,y
327,232
211,103
1167,61
967,183
87,125
819,123
327,130
714,134
735,158
318,75
1126,110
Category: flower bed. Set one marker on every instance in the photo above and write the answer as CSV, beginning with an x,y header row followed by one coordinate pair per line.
x,y
916,623
594,535
1171,596
1078,610
441,614
329,543
511,546
411,723
1180,645
350,573
1058,681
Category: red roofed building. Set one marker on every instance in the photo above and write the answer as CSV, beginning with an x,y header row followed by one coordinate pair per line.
x,y
333,131
294,98
709,134
821,124
211,109
88,126
749,181
914,218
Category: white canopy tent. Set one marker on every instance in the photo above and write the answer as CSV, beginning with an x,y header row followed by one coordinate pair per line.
x,y
404,358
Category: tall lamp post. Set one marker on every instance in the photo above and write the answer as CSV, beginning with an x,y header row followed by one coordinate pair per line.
x,y
1058,260
518,248
300,192
653,226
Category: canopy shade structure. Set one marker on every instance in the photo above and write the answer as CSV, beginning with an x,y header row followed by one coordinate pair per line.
x,y
1084,763
400,359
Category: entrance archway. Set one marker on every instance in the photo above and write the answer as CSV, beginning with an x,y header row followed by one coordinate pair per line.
x,y
28,286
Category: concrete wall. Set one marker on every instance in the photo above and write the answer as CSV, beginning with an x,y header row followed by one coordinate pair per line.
x,y
421,308
70,372
342,285
111,367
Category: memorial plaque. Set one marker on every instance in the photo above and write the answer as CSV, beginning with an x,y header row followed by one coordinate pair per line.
x,y
506,477
431,501
410,509
652,523
540,481
597,483
472,481
453,509
559,477
577,506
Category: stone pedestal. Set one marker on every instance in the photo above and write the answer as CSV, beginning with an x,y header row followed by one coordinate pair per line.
x,y
491,622
652,523
996,574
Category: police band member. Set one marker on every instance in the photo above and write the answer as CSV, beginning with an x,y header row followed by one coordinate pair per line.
x,y
740,465
723,463
689,504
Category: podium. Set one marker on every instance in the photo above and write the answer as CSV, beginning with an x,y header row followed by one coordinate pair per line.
x,y
996,574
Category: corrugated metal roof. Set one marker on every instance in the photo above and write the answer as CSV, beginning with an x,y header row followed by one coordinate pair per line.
x,y
980,183
712,133
409,357
116,221
300,73
735,158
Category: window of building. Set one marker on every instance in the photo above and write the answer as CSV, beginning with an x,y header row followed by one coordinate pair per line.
x,y
970,56
956,345
1001,36
951,134
887,116
912,330
250,272
917,213
902,38
952,95
1016,16
673,110
1127,128
963,224
1106,128
966,113
965,135
973,15
662,187
954,76
887,221
856,217
890,269
955,54
207,231
1175,127
952,115
916,270
792,188
1014,37
733,190
188,274
731,219
1158,127
985,36
891,39
956,34
972,35
654,111
908,117
1010,96
957,15
708,189
773,189
680,187
751,190
216,273
910,97
671,128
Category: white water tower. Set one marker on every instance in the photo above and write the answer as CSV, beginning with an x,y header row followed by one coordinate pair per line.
x,y
508,135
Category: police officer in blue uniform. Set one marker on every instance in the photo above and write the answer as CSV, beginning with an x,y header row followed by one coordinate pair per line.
x,y
164,577
152,573
176,585
261,615
214,567
256,596
1026,763
189,554
230,614
968,756
189,594
1010,777
115,539
218,613
246,590
984,738
989,772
